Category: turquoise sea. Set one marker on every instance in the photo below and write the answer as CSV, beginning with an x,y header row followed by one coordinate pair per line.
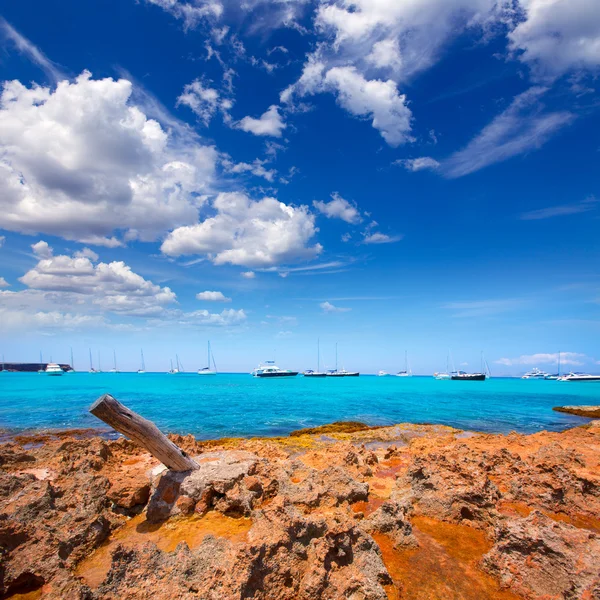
x,y
240,405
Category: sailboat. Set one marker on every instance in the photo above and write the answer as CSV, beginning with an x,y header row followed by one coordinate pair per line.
x,y
99,364
317,373
481,376
72,369
114,369
41,369
177,370
342,372
92,370
447,376
406,372
207,370
143,369
3,370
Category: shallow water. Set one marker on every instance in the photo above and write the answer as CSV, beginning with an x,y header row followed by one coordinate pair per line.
x,y
241,405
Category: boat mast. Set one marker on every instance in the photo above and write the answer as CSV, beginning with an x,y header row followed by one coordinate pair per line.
x,y
171,365
208,356
91,365
143,363
336,361
318,355
115,359
177,359
72,365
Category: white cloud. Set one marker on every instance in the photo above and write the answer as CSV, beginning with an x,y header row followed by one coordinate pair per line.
x,y
386,53
83,160
248,233
339,208
191,13
381,238
566,358
374,99
30,50
111,287
25,320
557,36
226,318
417,164
257,167
4,283
327,307
482,308
269,123
522,127
203,100
42,249
590,203
212,297
248,274
87,253
2,240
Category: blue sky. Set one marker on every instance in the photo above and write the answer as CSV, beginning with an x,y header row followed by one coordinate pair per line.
x,y
391,176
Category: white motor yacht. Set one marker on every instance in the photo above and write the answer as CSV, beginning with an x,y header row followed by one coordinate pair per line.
x,y
54,369
536,373
383,374
269,369
579,377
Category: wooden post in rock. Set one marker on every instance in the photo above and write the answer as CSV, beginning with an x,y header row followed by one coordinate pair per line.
x,y
143,432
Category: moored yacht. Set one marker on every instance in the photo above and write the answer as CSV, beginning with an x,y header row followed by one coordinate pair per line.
x,y
142,370
406,372
54,369
536,373
462,376
207,370
579,377
317,373
383,374
269,369
340,373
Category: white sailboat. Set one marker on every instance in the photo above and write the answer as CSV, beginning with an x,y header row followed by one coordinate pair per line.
x,y
447,376
72,370
177,370
114,369
207,370
92,370
41,369
406,372
143,369
342,372
317,373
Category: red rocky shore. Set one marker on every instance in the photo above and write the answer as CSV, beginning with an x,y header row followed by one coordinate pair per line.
x,y
410,511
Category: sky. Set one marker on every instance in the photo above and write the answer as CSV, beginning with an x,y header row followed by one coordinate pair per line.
x,y
416,176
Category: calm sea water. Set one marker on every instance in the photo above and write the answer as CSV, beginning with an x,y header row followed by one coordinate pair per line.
x,y
240,405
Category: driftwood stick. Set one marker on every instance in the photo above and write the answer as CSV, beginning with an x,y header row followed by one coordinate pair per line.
x,y
143,432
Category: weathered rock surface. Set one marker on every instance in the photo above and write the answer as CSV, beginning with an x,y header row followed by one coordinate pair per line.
x,y
365,514
592,412
540,558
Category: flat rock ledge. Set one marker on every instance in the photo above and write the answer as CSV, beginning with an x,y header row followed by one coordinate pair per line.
x,y
592,412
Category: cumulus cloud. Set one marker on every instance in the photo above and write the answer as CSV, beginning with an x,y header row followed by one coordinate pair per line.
x,y
256,167
213,297
557,37
327,307
269,123
248,274
566,358
204,101
338,208
86,253
25,320
248,233
82,161
375,99
4,283
111,287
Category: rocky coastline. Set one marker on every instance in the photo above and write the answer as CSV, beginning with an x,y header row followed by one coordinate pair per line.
x,y
343,511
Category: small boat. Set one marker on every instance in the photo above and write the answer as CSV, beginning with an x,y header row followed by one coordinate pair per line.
x,y
92,370
207,370
54,369
173,371
41,369
340,373
114,369
143,369
406,372
269,370
72,365
317,373
579,377
447,375
383,374
462,376
536,373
